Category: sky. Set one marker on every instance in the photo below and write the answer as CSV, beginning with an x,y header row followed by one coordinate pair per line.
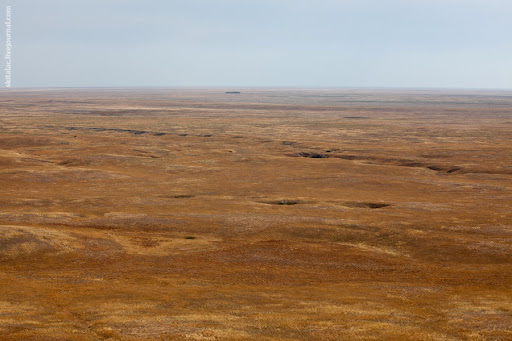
x,y
261,43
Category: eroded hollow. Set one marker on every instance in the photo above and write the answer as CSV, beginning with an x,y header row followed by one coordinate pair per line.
x,y
448,170
313,155
453,169
284,202
372,205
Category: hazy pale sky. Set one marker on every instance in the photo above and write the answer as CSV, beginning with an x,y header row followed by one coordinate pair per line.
x,y
274,43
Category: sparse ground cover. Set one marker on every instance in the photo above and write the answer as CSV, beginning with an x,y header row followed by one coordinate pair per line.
x,y
270,215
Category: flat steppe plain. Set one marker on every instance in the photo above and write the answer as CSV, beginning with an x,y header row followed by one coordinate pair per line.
x,y
167,214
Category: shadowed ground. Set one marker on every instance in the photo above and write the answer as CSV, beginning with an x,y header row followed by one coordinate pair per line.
x,y
266,215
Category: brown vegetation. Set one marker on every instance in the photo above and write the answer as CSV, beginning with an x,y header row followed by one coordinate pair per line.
x,y
270,215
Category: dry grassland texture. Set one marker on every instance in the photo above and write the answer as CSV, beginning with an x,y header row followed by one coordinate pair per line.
x,y
268,215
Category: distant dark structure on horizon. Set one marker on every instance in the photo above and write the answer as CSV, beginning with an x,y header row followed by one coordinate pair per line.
x,y
232,92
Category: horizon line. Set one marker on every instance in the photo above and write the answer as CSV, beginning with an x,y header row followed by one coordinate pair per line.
x,y
257,87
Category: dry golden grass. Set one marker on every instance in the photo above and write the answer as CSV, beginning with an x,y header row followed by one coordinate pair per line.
x,y
270,215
